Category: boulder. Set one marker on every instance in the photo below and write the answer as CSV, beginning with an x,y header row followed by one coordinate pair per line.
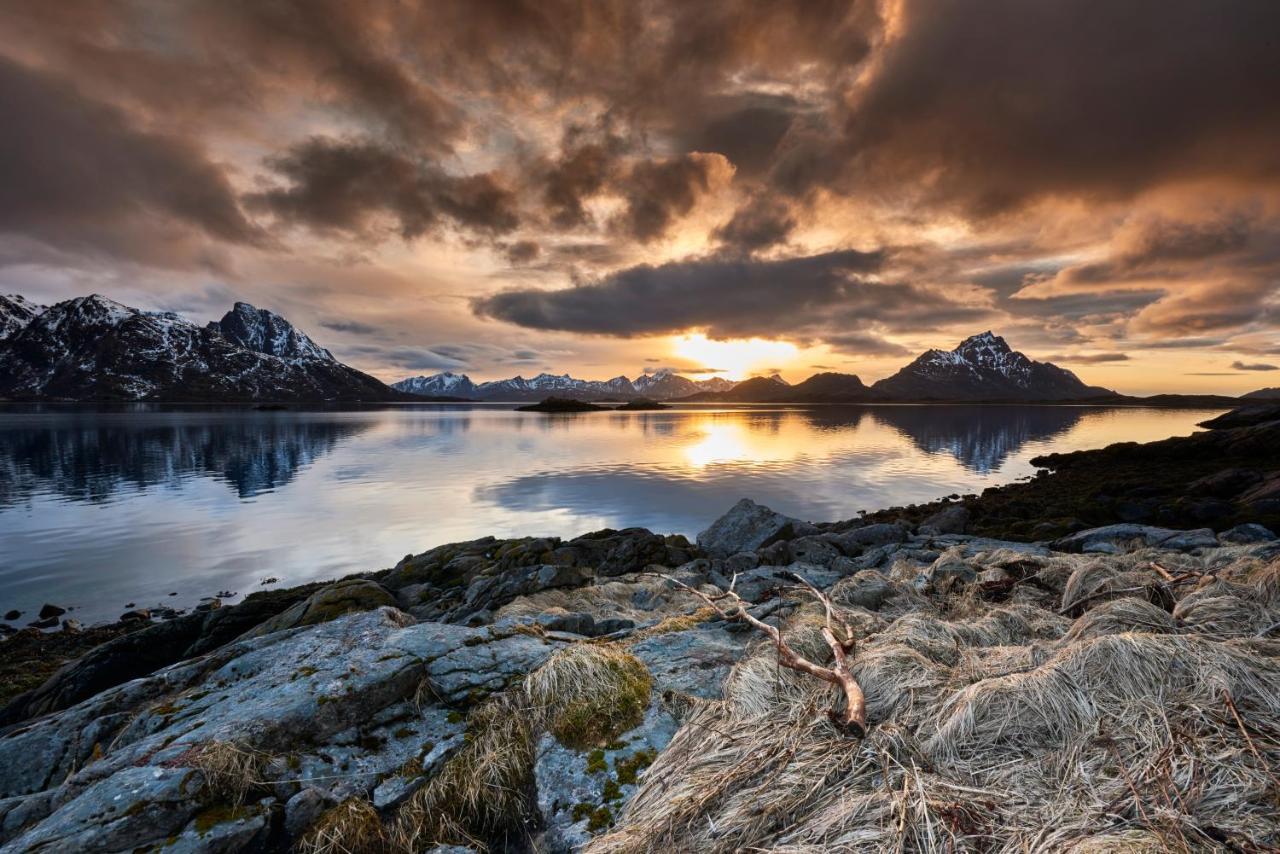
x,y
1246,534
949,520
328,603
1114,539
747,527
857,540
47,611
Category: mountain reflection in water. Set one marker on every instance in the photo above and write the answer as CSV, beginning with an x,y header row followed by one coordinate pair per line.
x,y
99,508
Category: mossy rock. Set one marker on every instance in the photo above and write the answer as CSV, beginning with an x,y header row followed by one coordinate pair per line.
x,y
328,603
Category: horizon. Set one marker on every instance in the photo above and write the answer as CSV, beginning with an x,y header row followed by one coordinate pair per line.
x,y
824,188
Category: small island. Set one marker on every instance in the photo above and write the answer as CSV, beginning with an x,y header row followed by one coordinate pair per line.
x,y
561,404
641,404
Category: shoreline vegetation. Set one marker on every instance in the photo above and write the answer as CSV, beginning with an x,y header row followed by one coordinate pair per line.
x,y
1042,665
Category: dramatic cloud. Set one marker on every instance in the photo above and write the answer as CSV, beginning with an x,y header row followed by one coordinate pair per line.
x,y
1256,366
345,185
660,192
988,111
810,297
76,174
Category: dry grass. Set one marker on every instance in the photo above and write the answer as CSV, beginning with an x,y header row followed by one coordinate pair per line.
x,y
231,771
351,827
585,694
1013,729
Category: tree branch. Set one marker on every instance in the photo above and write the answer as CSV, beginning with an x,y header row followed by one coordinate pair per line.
x,y
854,718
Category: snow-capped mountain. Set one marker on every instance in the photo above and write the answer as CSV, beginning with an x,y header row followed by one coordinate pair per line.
x,y
983,367
447,384
267,332
660,385
15,313
93,348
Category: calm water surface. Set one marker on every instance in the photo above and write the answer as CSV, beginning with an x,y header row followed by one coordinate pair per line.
x,y
102,508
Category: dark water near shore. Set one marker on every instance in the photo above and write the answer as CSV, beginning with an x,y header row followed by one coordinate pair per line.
x,y
100,508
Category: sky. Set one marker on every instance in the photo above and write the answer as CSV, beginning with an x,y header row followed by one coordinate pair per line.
x,y
608,187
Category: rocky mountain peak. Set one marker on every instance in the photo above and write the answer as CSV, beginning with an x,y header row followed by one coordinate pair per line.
x,y
265,331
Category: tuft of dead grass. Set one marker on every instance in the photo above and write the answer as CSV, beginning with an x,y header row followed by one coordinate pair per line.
x,y
585,694
351,827
231,771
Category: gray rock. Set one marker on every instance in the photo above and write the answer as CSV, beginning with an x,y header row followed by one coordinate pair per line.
x,y
855,541
815,551
746,528
949,520
951,565
1115,539
1246,534
302,810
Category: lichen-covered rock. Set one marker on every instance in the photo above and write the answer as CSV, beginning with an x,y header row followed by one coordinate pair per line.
x,y
1246,534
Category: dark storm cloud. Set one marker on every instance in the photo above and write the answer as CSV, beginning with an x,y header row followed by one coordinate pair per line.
x,y
747,131
813,297
1255,366
78,174
577,175
345,185
1087,358
760,223
351,326
1093,99
863,344
658,192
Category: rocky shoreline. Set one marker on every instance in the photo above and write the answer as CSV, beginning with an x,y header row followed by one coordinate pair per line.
x,y
1111,684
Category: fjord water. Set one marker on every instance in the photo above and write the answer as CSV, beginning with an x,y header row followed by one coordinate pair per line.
x,y
102,508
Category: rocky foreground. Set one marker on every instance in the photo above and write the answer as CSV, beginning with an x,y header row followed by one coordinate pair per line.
x,y
1114,689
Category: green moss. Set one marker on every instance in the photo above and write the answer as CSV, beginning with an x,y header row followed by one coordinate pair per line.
x,y
628,769
597,817
595,761
455,717
402,732
599,717
206,820
601,818
612,791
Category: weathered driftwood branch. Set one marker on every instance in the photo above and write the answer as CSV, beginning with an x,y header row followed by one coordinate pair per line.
x,y
837,633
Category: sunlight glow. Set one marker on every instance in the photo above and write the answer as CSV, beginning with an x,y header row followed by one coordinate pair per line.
x,y
736,359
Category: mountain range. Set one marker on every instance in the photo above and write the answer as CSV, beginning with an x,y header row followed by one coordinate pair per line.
x,y
983,367
664,384
95,349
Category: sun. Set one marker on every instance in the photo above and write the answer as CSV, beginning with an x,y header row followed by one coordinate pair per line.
x,y
734,359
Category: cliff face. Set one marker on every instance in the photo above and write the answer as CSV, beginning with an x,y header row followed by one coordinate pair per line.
x,y
552,695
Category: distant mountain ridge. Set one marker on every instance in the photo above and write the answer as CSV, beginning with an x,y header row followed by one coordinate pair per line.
x,y
664,384
96,349
1262,394
982,368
